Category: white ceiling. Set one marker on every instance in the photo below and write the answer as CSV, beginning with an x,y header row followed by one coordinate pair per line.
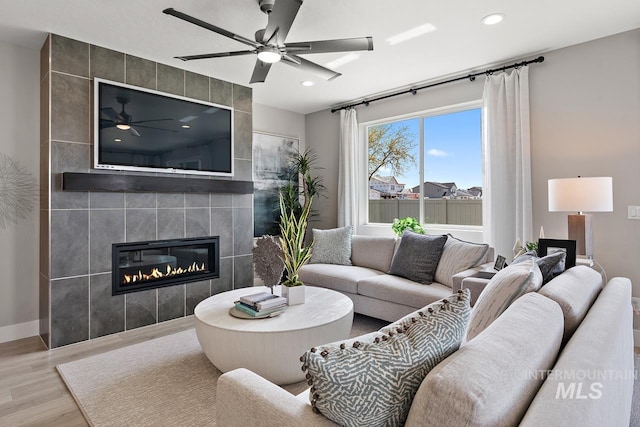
x,y
461,42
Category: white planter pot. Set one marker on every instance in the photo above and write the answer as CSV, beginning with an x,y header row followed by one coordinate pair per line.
x,y
294,294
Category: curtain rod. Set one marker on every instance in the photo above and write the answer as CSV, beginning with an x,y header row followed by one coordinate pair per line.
x,y
415,90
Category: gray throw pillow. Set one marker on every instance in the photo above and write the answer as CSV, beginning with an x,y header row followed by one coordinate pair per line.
x,y
458,255
550,265
417,257
374,383
331,246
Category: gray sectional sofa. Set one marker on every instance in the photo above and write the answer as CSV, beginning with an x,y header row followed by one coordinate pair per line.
x,y
381,295
562,356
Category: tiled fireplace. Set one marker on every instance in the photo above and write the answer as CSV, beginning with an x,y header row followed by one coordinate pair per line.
x,y
78,228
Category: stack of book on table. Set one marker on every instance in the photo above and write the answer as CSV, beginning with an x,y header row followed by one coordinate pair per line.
x,y
261,304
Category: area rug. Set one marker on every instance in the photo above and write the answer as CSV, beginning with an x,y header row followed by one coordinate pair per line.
x,y
166,381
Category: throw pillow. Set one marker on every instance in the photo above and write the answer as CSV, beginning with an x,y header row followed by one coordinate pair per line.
x,y
507,285
417,257
373,384
331,246
550,265
458,256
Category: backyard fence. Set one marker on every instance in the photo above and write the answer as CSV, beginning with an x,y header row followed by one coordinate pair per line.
x,y
436,211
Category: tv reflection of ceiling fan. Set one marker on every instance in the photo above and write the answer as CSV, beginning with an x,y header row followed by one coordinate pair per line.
x,y
124,121
270,44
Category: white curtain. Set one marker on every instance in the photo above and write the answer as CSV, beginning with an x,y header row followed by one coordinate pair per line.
x,y
506,207
348,169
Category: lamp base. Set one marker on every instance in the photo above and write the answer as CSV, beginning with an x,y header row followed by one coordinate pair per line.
x,y
580,231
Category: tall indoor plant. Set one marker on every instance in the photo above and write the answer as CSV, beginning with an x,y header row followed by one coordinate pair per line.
x,y
294,252
295,210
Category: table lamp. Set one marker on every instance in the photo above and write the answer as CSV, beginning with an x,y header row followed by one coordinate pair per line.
x,y
594,194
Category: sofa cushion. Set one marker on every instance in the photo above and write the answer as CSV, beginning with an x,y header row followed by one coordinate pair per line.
x,y
492,380
592,381
401,291
575,290
458,255
373,384
550,265
331,246
417,256
373,252
341,278
503,289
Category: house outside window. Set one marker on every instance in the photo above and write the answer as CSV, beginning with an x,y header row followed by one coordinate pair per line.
x,y
428,166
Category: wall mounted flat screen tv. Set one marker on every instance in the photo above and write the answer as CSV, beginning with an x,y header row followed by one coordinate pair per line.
x,y
137,129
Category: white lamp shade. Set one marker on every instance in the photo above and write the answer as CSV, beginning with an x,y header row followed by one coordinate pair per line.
x,y
593,194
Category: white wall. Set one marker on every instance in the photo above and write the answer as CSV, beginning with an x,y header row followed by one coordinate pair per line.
x,y
585,120
279,122
19,139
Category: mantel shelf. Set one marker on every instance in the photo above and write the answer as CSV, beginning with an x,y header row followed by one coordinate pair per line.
x,y
74,181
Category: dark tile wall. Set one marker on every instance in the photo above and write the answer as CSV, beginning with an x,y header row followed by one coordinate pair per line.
x,y
78,228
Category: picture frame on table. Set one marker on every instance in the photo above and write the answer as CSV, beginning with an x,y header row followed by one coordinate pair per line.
x,y
549,246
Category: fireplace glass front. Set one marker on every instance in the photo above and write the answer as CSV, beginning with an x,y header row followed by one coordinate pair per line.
x,y
139,266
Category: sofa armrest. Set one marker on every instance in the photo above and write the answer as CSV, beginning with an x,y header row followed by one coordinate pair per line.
x,y
476,285
246,399
459,277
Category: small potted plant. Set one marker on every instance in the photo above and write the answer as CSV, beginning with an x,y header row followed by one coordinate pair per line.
x,y
408,223
294,253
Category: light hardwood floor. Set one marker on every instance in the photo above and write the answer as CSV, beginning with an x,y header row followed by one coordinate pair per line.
x,y
31,391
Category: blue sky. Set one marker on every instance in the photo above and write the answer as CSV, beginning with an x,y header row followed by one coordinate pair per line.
x,y
453,151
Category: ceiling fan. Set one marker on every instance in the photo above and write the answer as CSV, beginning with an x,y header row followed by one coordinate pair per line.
x,y
270,44
124,121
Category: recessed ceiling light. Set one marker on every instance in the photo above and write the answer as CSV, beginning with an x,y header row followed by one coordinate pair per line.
x,y
117,140
492,19
342,60
123,126
185,126
307,83
411,34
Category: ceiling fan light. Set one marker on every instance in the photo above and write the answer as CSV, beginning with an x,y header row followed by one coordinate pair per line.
x,y
123,126
269,55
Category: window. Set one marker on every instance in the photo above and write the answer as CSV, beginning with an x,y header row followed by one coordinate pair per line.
x,y
428,166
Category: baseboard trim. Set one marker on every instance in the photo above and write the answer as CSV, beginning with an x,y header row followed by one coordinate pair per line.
x,y
22,330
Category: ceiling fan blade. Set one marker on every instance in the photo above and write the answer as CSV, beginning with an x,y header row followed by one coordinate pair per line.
x,y
156,128
133,132
110,113
327,46
310,67
216,55
280,20
105,123
146,121
171,11
260,72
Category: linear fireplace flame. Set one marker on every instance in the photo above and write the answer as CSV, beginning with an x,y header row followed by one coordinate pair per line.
x,y
139,266
157,274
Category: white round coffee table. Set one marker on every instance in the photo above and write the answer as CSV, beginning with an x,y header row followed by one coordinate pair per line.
x,y
271,347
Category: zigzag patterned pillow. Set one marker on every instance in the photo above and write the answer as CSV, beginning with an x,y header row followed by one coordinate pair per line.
x,y
373,384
